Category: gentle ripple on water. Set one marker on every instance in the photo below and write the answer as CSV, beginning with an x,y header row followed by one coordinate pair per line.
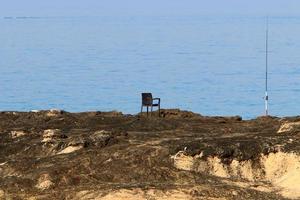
x,y
207,64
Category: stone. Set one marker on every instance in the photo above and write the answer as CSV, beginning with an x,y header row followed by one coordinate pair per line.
x,y
98,135
70,149
50,135
44,182
54,112
16,134
101,137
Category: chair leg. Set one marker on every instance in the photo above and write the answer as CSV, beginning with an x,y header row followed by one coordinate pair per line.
x,y
158,110
151,110
147,111
141,109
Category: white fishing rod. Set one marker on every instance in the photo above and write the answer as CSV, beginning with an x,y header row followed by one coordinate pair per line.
x,y
266,84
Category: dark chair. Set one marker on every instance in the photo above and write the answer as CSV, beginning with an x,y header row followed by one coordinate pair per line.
x,y
148,101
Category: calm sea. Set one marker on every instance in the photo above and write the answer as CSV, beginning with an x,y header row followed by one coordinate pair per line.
x,y
213,65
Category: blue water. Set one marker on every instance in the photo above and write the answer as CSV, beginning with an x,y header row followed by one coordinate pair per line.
x,y
213,65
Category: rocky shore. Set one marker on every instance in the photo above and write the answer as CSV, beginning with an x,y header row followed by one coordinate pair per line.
x,y
181,155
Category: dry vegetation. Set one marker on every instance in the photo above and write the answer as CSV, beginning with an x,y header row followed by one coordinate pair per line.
x,y
182,155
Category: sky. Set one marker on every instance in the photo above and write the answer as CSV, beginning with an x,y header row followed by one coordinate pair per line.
x,y
146,7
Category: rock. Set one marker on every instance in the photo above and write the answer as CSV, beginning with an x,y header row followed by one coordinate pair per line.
x,y
71,145
44,182
47,140
16,134
70,149
101,137
54,112
289,127
50,135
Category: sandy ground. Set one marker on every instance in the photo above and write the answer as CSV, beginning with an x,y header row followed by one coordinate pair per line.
x,y
181,155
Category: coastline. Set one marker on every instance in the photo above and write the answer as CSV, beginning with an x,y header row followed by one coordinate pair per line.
x,y
107,155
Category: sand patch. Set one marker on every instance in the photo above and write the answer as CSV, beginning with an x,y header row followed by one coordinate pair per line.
x,y
255,186
139,194
87,194
280,169
183,162
2,194
123,194
289,127
217,168
283,171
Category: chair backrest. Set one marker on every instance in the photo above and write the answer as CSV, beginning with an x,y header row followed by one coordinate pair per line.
x,y
147,99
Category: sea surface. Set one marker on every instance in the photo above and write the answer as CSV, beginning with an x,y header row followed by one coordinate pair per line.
x,y
213,65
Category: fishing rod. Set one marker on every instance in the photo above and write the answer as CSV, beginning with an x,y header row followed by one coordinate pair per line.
x,y
266,78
